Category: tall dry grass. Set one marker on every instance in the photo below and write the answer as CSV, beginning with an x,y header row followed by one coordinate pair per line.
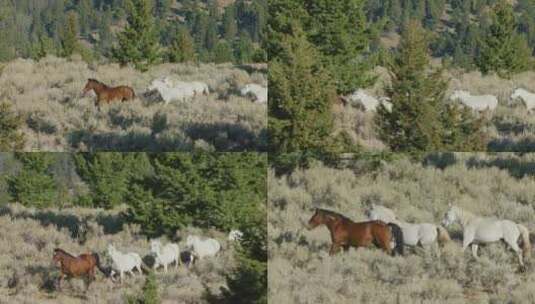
x,y
27,274
300,270
47,94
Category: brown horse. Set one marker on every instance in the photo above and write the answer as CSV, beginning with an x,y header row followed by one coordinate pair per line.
x,y
71,266
345,232
107,94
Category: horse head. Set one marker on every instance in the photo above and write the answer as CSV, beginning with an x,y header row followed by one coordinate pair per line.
x,y
90,85
317,219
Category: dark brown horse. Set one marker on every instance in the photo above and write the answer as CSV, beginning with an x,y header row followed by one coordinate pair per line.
x,y
108,94
71,266
345,232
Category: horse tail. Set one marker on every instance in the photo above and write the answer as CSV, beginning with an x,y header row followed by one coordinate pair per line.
x,y
442,235
397,234
97,262
526,245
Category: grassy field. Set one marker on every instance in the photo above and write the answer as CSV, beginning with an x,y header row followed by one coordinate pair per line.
x,y
511,127
29,236
47,95
300,270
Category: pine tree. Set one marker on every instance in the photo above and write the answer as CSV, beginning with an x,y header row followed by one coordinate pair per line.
x,y
105,35
420,119
183,48
413,124
223,52
69,41
300,98
138,43
34,185
244,49
211,35
230,25
341,33
503,50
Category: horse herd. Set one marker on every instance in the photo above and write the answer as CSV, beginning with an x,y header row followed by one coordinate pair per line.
x,y
389,233
165,89
363,100
163,255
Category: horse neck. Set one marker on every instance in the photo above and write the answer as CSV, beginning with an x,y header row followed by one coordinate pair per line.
x,y
464,216
332,222
99,87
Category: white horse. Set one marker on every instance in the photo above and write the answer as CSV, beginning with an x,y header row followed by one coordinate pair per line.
x,y
475,102
423,234
486,230
202,248
235,235
527,97
172,92
165,255
257,92
124,262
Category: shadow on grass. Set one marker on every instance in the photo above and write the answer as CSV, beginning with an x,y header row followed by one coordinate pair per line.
x,y
516,167
127,142
511,145
227,137
77,226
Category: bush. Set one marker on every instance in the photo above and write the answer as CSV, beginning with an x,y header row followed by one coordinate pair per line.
x,y
10,123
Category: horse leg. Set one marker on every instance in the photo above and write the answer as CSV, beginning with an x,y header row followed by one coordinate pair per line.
x,y
474,250
334,249
121,277
59,280
165,268
517,249
139,269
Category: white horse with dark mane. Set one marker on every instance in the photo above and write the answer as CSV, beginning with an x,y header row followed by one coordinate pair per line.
x,y
202,248
164,255
423,234
477,230
124,262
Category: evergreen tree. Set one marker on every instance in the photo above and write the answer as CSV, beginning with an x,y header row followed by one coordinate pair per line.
x,y
244,49
223,52
138,43
10,136
503,50
340,32
230,25
105,35
211,35
108,175
183,48
420,120
69,41
34,185
300,98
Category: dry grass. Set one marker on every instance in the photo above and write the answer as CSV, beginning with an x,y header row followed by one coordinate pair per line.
x,y
29,237
57,118
300,270
511,127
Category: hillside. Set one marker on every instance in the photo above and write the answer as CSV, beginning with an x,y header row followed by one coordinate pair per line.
x,y
47,95
301,271
34,29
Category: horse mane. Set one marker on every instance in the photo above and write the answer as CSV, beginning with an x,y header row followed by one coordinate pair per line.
x,y
64,252
97,82
332,213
